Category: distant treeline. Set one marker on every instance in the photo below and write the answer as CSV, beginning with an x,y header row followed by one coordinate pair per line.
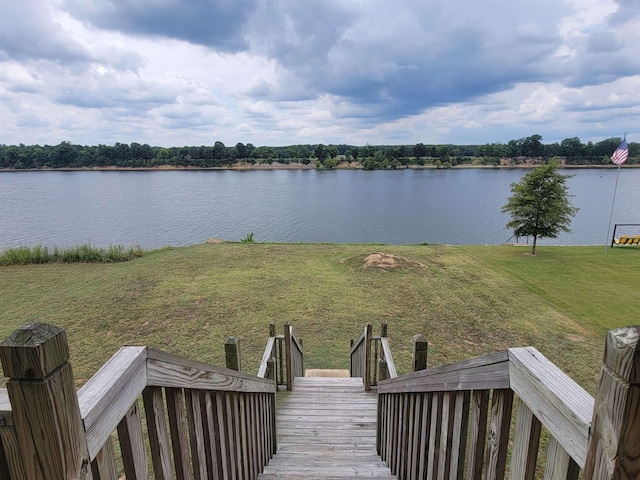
x,y
523,151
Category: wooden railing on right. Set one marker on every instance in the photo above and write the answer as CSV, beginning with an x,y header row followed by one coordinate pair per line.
x,y
433,423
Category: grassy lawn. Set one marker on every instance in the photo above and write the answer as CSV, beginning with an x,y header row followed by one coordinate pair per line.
x,y
466,300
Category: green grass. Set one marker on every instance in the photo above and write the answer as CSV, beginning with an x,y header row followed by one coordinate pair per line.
x,y
78,254
467,301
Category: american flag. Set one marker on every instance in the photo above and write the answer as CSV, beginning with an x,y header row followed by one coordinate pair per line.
x,y
621,153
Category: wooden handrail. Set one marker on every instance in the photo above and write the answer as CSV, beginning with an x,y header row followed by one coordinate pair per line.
x,y
456,398
561,405
266,356
388,358
215,419
106,398
360,357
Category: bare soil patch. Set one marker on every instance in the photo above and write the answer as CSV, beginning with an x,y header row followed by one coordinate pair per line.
x,y
388,261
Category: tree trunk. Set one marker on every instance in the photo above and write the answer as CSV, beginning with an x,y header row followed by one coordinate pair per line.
x,y
533,249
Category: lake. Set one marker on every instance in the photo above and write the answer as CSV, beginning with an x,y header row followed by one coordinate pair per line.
x,y
160,208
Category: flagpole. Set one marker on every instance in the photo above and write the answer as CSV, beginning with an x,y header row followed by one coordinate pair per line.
x,y
619,161
613,202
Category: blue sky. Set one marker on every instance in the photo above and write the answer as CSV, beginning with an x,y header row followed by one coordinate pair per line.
x,y
173,73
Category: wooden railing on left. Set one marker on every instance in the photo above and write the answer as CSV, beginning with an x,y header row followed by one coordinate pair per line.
x,y
202,421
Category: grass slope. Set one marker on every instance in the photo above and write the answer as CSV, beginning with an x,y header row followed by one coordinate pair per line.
x,y
466,300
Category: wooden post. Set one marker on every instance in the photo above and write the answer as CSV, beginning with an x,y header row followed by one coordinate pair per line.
x,y
383,370
419,357
271,369
288,362
272,328
48,425
614,448
367,357
232,353
383,329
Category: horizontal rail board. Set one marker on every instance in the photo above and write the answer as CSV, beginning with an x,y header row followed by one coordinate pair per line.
x,y
391,366
561,405
266,356
480,373
106,398
358,341
169,370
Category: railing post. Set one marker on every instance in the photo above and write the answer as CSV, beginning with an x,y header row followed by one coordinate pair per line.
x,y
614,448
232,353
44,403
383,370
271,369
383,330
367,358
419,357
351,358
287,346
272,328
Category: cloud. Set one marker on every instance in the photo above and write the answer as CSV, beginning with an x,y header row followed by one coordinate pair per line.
x,y
27,31
331,71
212,23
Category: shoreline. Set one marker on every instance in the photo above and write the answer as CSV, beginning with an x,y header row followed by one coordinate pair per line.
x,y
298,166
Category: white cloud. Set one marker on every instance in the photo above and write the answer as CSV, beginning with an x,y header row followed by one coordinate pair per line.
x,y
332,72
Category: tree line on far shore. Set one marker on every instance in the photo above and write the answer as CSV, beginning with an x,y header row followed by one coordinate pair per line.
x,y
527,150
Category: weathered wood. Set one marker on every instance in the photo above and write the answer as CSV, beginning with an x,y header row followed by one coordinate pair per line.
x,y
196,434
211,441
168,370
559,465
230,434
132,446
266,356
108,395
562,406
179,429
481,373
367,358
232,354
386,352
272,329
158,433
336,446
288,361
419,356
384,329
477,434
425,428
614,450
499,424
459,434
435,432
12,466
223,439
104,466
45,409
525,444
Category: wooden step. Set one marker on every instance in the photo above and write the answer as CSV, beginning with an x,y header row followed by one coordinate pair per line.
x,y
326,431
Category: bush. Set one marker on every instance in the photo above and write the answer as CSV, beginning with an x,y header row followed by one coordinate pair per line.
x,y
78,254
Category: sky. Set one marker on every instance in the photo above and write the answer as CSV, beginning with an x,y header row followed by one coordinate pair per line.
x,y
283,72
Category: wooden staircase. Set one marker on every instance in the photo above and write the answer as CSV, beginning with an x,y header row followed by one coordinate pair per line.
x,y
326,430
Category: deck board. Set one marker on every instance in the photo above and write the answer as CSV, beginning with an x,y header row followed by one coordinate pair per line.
x,y
326,431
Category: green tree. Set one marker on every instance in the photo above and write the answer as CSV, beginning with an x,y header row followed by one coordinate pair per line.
x,y
540,205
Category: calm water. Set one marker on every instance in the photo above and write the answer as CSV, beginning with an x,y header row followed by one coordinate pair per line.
x,y
160,208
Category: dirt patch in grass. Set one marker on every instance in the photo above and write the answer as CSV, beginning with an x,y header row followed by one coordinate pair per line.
x,y
384,261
